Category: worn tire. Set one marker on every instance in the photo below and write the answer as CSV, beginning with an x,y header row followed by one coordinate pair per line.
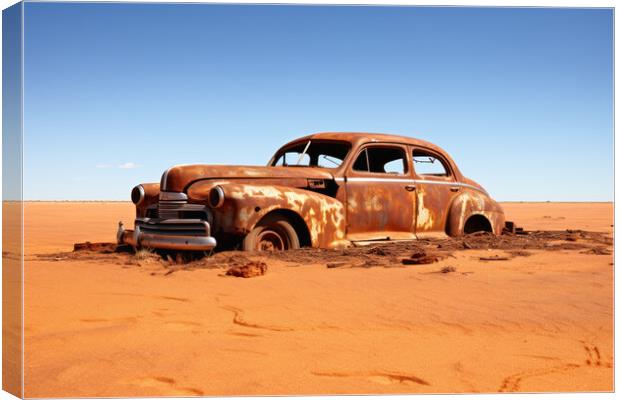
x,y
271,233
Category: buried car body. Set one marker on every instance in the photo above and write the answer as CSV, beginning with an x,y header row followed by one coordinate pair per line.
x,y
325,190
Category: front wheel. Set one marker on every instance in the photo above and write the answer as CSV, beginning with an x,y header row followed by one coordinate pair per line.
x,y
272,233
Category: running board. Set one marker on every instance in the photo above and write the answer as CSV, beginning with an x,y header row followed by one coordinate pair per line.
x,y
366,242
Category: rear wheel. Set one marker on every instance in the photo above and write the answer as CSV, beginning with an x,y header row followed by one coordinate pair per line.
x,y
272,233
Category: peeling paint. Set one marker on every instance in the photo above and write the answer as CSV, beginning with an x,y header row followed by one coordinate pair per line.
x,y
345,205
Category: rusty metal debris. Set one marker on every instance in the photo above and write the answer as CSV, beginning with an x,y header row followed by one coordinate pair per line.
x,y
494,258
98,247
327,190
249,270
337,264
385,254
420,258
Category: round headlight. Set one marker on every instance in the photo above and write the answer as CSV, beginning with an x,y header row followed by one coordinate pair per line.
x,y
216,197
137,195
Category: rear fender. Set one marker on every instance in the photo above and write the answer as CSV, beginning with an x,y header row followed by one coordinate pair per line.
x,y
472,202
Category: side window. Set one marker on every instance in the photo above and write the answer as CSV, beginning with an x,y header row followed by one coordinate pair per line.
x,y
427,164
383,160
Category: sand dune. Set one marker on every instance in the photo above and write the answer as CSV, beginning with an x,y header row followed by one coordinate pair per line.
x,y
108,325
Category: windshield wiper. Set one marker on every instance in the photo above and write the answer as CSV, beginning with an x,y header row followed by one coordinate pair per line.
x,y
301,156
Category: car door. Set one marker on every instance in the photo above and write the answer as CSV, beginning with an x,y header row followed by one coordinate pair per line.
x,y
436,187
380,194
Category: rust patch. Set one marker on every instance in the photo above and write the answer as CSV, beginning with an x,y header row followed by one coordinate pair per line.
x,y
249,270
247,204
337,205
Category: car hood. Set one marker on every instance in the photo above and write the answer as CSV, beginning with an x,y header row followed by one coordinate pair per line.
x,y
179,177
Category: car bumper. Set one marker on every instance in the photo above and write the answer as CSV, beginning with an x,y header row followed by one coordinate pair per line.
x,y
168,234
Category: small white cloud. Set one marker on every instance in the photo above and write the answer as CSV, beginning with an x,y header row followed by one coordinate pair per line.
x,y
103,166
128,165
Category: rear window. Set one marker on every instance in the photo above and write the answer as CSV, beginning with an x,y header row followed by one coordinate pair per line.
x,y
427,164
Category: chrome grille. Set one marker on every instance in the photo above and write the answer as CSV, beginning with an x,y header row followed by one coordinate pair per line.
x,y
175,206
171,208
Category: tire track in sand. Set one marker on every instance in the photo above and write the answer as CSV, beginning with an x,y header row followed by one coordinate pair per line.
x,y
238,319
378,376
513,382
166,384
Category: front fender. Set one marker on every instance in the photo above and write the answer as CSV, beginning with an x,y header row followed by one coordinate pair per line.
x,y
471,202
151,196
246,204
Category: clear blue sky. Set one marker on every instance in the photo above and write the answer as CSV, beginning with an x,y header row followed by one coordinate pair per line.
x,y
116,93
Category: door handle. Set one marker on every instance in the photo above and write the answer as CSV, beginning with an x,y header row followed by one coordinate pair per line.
x,y
410,188
454,188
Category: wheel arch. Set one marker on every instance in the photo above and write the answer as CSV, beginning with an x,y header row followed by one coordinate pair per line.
x,y
477,222
298,223
472,203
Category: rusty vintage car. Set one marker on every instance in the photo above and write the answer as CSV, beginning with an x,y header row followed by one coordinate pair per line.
x,y
327,190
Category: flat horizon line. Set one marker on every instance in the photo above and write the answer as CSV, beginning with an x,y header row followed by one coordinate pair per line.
x,y
129,201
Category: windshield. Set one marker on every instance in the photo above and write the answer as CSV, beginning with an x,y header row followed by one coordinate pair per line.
x,y
322,154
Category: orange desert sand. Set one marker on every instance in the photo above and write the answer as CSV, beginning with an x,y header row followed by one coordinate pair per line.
x,y
94,327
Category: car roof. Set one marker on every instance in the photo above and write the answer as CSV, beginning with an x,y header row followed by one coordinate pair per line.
x,y
359,138
367,137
